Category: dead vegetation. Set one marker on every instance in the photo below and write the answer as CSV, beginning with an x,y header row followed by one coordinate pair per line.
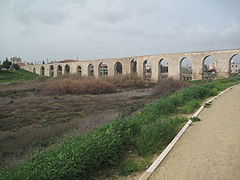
x,y
91,85
30,120
33,115
168,86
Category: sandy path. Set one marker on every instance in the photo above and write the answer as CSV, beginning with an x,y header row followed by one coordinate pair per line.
x,y
209,149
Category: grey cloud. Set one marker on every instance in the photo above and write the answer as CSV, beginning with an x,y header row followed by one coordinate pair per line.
x,y
43,11
96,29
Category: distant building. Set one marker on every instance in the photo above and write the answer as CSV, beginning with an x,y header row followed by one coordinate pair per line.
x,y
213,66
15,60
235,68
20,64
103,69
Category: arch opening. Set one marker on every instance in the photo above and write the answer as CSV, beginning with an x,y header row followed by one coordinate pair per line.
x,y
103,69
209,68
51,71
59,70
133,66
67,70
117,68
147,69
79,71
34,70
90,70
186,69
163,68
234,66
42,72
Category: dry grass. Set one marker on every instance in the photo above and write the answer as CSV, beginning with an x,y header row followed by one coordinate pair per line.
x,y
168,86
91,85
75,86
30,121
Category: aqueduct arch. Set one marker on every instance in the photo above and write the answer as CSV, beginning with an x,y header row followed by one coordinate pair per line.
x,y
118,68
59,70
186,69
133,66
67,70
42,71
147,69
51,71
103,69
234,62
209,67
90,70
136,64
163,68
79,71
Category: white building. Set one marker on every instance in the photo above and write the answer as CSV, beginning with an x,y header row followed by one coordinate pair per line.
x,y
235,68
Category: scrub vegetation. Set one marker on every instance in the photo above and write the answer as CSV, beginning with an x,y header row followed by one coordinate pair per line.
x,y
142,133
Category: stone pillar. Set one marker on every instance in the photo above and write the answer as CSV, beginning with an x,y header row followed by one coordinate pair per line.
x,y
84,69
73,68
197,67
47,70
96,69
155,69
126,66
174,67
140,67
111,68
223,65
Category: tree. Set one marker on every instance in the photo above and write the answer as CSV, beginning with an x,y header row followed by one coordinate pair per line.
x,y
15,66
6,64
43,62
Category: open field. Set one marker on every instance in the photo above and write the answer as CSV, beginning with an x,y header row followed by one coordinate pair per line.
x,y
30,121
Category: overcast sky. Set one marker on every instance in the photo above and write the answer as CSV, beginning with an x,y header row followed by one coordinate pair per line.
x,y
90,29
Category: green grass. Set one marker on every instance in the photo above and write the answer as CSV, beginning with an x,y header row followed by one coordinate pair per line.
x,y
129,165
13,76
151,129
190,106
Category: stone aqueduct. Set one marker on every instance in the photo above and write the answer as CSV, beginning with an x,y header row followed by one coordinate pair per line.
x,y
92,67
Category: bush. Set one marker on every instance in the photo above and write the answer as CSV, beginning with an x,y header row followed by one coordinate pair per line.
x,y
75,86
168,86
6,64
15,66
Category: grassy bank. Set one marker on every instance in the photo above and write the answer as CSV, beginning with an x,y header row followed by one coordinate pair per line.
x,y
144,133
19,75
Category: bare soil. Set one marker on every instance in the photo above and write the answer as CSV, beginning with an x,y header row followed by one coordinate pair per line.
x,y
210,148
30,121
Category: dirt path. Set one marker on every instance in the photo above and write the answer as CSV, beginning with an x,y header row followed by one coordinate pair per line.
x,y
210,149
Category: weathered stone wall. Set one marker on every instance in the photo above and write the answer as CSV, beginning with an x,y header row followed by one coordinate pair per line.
x,y
223,58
